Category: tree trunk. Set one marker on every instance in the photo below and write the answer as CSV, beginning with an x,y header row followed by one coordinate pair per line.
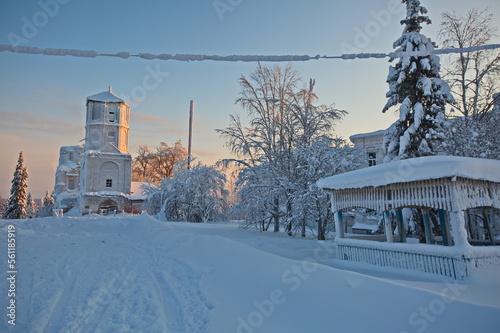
x,y
321,230
289,224
276,216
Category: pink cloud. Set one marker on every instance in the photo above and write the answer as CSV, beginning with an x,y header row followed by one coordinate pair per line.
x,y
32,122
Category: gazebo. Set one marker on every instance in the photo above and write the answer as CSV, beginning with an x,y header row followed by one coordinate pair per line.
x,y
446,185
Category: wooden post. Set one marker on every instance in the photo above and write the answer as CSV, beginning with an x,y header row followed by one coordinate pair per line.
x,y
339,224
401,226
190,139
458,231
388,227
445,228
427,226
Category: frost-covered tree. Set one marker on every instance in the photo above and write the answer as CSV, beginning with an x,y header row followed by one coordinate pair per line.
x,y
281,117
416,86
323,158
473,76
167,158
47,208
258,201
31,207
473,136
153,166
195,195
142,168
309,206
16,206
1,206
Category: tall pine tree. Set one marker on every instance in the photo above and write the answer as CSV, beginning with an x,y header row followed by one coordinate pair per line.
x,y
31,207
47,207
16,207
415,84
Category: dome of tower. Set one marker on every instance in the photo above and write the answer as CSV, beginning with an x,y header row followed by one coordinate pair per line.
x,y
106,96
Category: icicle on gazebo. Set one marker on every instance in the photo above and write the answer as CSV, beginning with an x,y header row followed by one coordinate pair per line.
x,y
450,185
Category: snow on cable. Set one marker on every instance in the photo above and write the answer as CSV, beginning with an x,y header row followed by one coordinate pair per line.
x,y
232,58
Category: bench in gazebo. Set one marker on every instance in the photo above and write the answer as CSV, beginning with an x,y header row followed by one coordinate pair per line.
x,y
447,185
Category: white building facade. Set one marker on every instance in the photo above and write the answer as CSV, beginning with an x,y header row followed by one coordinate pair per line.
x,y
371,145
67,186
96,178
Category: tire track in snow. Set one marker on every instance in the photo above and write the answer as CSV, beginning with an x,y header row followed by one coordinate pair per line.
x,y
169,305
186,308
172,314
58,303
183,305
89,316
29,301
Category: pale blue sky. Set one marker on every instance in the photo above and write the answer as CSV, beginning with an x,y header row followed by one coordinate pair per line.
x,y
42,98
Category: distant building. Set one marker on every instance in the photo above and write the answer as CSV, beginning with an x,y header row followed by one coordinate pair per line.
x,y
96,178
67,187
371,145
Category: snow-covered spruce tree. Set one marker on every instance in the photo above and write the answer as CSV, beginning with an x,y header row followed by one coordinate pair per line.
x,y
47,207
415,84
16,206
31,207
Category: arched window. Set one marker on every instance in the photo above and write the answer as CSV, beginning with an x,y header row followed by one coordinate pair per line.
x,y
108,175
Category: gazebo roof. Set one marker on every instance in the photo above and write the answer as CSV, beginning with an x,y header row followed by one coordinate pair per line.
x,y
415,169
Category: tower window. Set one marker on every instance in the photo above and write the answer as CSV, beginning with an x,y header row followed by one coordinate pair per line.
x,y
372,159
96,112
109,182
111,116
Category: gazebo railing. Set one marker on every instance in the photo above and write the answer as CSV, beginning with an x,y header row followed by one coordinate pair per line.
x,y
435,259
448,184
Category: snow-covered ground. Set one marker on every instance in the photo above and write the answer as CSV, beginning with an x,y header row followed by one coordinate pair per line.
x,y
136,274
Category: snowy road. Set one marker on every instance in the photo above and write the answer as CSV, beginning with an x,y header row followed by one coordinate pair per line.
x,y
135,274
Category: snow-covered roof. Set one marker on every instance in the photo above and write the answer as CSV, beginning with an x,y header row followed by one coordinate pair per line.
x,y
66,149
106,96
364,135
365,226
415,169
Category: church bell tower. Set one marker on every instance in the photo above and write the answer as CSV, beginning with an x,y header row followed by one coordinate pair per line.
x,y
106,163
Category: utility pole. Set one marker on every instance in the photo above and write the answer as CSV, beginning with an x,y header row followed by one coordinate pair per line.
x,y
190,140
